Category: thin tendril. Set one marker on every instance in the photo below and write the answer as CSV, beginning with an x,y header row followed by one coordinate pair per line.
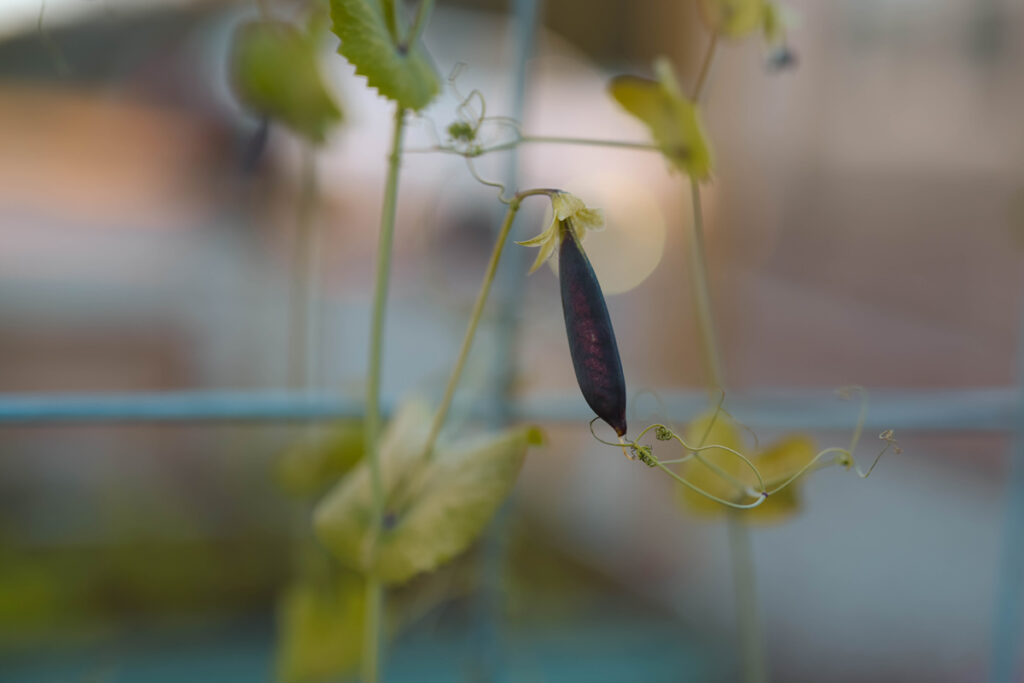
x,y
696,489
842,456
490,183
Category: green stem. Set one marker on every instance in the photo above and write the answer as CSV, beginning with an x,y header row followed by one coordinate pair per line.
x,y
702,296
744,580
419,23
374,590
474,320
742,558
591,142
475,315
390,11
542,139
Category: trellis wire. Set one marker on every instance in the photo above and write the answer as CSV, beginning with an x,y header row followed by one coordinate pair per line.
x,y
990,410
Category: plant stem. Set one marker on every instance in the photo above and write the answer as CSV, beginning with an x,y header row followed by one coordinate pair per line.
x,y
702,296
591,142
744,580
374,590
551,140
419,23
741,555
705,68
474,320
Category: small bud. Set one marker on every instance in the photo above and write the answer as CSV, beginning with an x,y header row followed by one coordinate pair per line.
x,y
644,454
663,433
460,130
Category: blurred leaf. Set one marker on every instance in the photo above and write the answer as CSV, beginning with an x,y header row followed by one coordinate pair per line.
x,y
733,18
672,118
434,508
342,518
403,74
460,492
275,72
773,23
319,458
320,628
776,464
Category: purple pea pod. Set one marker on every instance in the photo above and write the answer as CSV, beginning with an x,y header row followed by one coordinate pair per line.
x,y
595,355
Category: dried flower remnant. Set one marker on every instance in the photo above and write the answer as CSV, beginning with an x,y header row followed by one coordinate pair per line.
x,y
566,208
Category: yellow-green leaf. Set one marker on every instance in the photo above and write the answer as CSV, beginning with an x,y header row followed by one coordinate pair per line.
x,y
319,458
434,508
733,18
403,74
457,496
275,73
776,464
320,628
342,518
673,120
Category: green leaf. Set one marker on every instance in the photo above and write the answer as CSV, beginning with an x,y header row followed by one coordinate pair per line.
x,y
275,73
673,120
320,630
403,74
319,458
434,509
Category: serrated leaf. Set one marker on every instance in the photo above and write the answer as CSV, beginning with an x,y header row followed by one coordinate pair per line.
x,y
403,74
776,464
275,73
320,628
733,18
434,508
673,120
319,458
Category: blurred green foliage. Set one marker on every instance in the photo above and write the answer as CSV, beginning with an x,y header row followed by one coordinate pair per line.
x,y
275,73
434,506
319,458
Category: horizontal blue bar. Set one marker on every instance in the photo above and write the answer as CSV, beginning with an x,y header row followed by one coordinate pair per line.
x,y
984,410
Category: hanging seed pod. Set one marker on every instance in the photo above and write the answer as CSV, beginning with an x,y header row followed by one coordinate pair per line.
x,y
595,355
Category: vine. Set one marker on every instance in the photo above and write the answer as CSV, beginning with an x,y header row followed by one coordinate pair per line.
x,y
417,500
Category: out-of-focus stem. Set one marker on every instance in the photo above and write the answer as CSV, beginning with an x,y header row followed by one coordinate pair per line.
x,y
740,551
745,581
474,321
705,68
374,590
702,296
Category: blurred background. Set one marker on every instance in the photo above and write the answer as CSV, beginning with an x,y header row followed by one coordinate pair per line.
x,y
865,226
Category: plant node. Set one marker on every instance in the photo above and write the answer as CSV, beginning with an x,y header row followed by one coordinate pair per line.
x,y
644,454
